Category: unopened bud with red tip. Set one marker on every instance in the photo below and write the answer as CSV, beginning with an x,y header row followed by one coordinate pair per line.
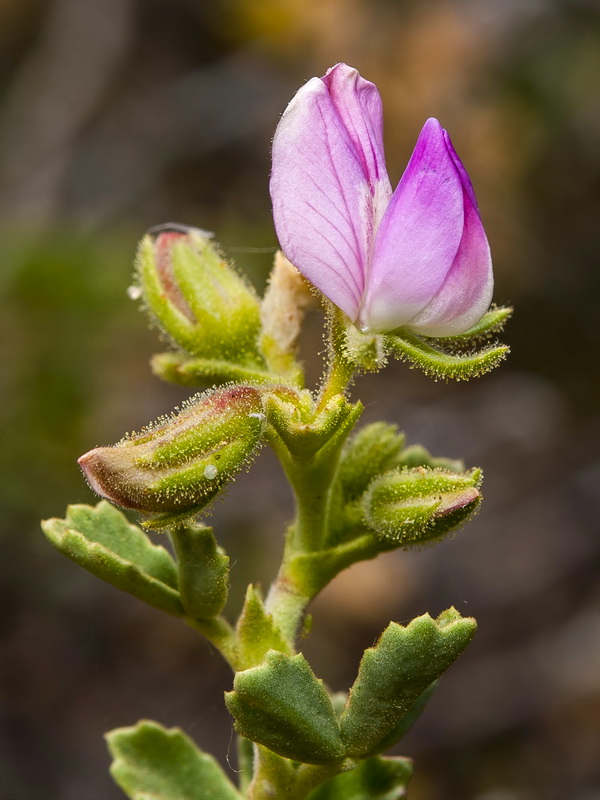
x,y
178,466
414,506
197,297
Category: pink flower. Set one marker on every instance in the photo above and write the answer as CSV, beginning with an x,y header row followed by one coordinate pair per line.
x,y
416,258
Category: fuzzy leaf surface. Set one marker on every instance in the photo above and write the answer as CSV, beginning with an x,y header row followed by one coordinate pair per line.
x,y
256,632
203,571
155,763
374,449
102,540
283,706
394,673
375,778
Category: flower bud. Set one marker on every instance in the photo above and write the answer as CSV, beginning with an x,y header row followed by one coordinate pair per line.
x,y
412,506
178,466
197,298
373,450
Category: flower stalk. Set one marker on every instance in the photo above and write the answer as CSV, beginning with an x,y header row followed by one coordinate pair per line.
x,y
404,273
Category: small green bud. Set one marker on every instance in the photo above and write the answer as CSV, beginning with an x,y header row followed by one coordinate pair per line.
x,y
412,506
197,298
374,449
203,571
179,466
418,456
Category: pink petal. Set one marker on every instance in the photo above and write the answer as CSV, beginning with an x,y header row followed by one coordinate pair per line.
x,y
327,182
358,103
418,237
466,294
462,172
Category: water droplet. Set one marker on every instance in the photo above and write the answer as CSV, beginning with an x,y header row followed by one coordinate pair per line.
x,y
134,292
210,472
257,415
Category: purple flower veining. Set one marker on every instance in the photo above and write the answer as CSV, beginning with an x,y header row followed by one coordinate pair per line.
x,y
417,258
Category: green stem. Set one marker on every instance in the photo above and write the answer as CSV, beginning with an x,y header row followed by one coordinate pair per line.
x,y
286,604
312,478
220,633
245,750
276,777
341,370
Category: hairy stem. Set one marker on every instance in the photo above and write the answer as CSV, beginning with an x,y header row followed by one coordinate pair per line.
x,y
220,633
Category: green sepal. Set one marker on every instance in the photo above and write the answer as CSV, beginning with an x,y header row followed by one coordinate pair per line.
x,y
439,363
378,778
283,706
101,540
491,323
198,299
178,367
376,448
256,632
155,763
364,351
412,506
203,571
304,434
394,673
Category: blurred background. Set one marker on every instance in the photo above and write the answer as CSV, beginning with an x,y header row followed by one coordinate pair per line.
x,y
116,115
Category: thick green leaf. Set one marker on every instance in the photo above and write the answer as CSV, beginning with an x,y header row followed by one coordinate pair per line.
x,y
203,571
373,779
256,632
153,763
281,705
406,723
101,540
394,673
439,363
